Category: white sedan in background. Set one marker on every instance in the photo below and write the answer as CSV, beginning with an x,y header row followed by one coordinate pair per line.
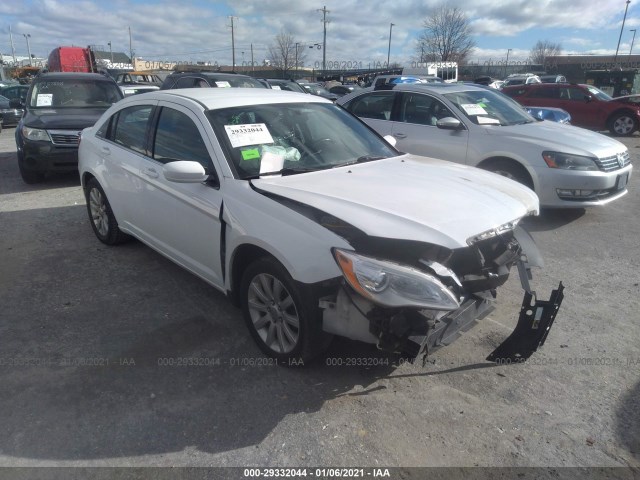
x,y
310,221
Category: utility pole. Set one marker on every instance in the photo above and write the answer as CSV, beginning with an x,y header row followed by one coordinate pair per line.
x,y
506,63
252,65
131,51
27,36
324,38
233,46
13,49
111,52
632,40
621,29
296,65
389,50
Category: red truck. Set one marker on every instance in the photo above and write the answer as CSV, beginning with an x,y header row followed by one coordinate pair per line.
x,y
72,59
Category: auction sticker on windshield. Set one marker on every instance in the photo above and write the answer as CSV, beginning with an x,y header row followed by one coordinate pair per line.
x,y
44,100
473,109
249,134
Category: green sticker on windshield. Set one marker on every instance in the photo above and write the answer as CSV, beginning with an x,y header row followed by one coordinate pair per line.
x,y
482,105
250,154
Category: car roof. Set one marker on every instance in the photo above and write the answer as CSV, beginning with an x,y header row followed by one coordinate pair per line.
x,y
433,87
216,98
73,75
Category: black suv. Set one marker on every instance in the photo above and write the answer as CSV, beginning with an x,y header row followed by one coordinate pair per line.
x,y
195,79
58,106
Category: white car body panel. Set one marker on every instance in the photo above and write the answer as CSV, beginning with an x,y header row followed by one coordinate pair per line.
x,y
416,193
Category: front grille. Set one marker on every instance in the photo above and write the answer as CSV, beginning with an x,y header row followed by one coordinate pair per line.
x,y
615,162
65,138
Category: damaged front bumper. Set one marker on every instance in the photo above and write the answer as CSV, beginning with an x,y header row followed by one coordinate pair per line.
x,y
417,332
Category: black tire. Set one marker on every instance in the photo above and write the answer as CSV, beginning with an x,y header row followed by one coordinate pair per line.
x,y
29,176
510,169
268,310
102,219
623,124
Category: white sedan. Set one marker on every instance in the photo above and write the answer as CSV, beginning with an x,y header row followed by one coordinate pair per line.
x,y
310,221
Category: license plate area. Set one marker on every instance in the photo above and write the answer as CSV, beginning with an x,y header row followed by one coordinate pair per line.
x,y
621,181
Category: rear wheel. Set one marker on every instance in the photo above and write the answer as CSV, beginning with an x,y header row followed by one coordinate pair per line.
x,y
103,221
283,319
509,169
623,124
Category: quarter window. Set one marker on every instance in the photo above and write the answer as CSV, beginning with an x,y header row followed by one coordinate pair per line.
x,y
130,127
178,138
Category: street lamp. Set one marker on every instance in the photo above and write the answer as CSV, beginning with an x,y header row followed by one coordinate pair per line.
x,y
28,36
296,64
111,52
506,62
621,29
389,50
634,37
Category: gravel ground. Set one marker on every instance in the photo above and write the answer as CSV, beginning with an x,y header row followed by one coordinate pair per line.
x,y
86,330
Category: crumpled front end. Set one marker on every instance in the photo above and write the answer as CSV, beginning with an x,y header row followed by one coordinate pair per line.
x,y
422,296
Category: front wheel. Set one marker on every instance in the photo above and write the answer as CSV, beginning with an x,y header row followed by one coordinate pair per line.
x,y
283,319
103,221
623,124
29,176
509,169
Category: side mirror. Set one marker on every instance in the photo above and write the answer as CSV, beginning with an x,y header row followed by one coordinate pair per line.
x,y
449,123
16,103
390,140
587,98
183,171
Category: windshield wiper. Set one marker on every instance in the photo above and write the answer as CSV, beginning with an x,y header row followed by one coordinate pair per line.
x,y
362,159
283,171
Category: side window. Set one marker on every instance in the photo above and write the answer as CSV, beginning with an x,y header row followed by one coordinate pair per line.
x,y
545,92
130,127
185,82
375,105
178,138
422,109
577,94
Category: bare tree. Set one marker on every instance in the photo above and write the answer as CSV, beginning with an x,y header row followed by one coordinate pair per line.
x,y
544,49
446,36
285,52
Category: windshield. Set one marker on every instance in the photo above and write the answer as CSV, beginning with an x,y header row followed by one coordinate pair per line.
x,y
294,138
599,94
484,107
288,86
238,82
74,94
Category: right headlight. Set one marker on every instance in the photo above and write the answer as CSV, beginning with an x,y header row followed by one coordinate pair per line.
x,y
36,134
393,285
567,161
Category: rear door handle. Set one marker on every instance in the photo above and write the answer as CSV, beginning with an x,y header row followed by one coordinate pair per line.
x,y
400,135
150,172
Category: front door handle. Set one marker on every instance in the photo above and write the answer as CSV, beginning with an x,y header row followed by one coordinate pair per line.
x,y
400,135
151,172
105,150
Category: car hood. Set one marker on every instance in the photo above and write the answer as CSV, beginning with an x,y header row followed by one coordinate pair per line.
x,y
561,138
71,118
410,197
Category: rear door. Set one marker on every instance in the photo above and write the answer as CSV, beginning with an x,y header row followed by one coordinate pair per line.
x,y
374,108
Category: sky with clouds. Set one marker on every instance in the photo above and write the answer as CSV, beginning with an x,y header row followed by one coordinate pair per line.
x,y
358,30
